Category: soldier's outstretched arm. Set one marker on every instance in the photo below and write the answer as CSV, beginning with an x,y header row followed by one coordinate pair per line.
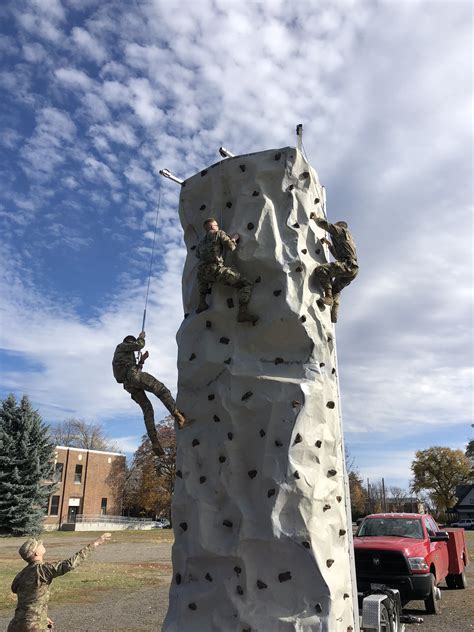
x,y
49,571
227,241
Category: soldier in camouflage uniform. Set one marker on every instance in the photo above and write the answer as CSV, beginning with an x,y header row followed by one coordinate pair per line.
x,y
212,270
128,371
336,275
31,585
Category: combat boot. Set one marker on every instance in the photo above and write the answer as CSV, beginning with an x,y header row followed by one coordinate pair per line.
x,y
327,298
202,304
244,316
181,420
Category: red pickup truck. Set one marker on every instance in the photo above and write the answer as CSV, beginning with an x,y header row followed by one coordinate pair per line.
x,y
409,552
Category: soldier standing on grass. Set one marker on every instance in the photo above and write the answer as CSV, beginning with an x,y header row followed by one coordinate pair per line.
x,y
338,274
31,585
210,252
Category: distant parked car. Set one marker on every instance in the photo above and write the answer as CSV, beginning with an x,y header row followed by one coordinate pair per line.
x,y
465,523
162,523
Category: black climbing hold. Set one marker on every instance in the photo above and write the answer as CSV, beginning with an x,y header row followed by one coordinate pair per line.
x,y
230,303
177,578
326,507
229,204
306,544
304,251
299,269
270,493
258,279
304,175
291,187
230,436
202,207
255,193
223,340
237,569
216,419
252,473
195,442
345,596
279,360
342,532
329,563
298,438
250,226
209,290
338,498
192,606
296,225
179,474
192,356
330,405
278,155
193,248
312,216
316,200
321,364
296,474
303,319
227,523
262,432
186,315
222,459
228,361
211,397
240,590
202,479
203,173
208,324
331,473
261,585
333,371
208,577
278,444
183,525
318,251
284,577
247,395
242,168
295,403
318,443
329,338
276,292
318,608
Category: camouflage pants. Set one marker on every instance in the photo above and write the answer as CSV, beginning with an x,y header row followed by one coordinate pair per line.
x,y
210,273
336,276
136,383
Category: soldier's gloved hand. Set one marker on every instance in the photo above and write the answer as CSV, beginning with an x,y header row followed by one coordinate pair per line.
x,y
236,238
145,356
141,334
325,241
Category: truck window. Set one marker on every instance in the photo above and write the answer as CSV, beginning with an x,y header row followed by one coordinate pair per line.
x,y
397,527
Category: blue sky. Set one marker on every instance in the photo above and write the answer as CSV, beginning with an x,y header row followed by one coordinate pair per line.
x,y
97,97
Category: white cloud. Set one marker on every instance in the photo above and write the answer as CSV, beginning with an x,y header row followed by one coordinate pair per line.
x,y
88,44
74,78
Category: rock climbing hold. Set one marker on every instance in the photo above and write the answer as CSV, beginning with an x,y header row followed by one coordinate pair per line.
x,y
192,606
276,292
237,569
179,474
261,585
262,432
321,364
192,356
209,577
252,473
258,279
303,319
177,578
211,397
338,498
333,371
222,459
329,563
326,507
228,361
278,443
242,168
186,315
306,544
250,226
291,187
230,303
330,405
298,439
318,608
318,443
299,269
296,474
342,532
224,341
184,526
304,251
193,248
229,204
202,479
246,395
284,577
203,173
255,194
318,251
230,436
279,360
278,155
331,473
295,403
195,442
202,207
216,419
316,200
304,175
208,324
312,215
240,590
296,225
227,523
270,493
346,596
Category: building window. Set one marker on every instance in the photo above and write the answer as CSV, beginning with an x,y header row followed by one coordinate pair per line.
x,y
54,508
78,475
103,507
58,472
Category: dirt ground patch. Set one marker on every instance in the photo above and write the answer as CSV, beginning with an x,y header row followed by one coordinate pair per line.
x,y
124,586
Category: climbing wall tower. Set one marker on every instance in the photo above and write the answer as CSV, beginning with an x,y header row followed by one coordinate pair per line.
x,y
260,506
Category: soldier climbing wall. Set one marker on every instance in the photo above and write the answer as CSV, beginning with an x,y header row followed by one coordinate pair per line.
x,y
259,509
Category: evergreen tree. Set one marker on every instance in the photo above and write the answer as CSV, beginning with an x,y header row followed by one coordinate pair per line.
x,y
26,461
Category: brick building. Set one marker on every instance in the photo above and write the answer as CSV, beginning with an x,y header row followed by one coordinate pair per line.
x,y
90,482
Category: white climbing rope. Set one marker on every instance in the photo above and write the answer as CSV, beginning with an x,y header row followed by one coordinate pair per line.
x,y
151,261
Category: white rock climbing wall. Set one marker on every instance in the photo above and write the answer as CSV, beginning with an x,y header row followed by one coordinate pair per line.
x,y
259,514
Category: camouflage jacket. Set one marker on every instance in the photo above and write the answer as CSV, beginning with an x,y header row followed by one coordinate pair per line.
x,y
212,246
343,244
124,358
31,586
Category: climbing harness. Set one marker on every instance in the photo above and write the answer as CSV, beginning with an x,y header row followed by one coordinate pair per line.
x,y
151,261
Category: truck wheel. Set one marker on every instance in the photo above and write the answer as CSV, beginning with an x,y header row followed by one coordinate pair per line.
x,y
431,603
451,581
385,622
461,580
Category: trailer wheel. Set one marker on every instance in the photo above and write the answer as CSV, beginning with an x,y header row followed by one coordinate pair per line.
x,y
461,580
451,581
431,603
